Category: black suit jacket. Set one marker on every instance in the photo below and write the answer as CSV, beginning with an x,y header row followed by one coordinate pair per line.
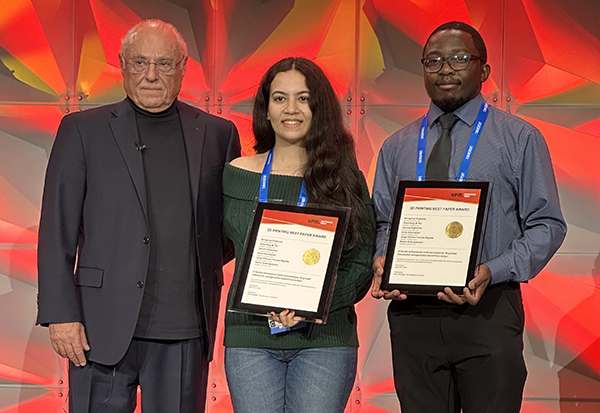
x,y
93,247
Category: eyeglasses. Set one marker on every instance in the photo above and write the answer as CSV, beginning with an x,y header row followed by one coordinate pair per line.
x,y
456,62
164,66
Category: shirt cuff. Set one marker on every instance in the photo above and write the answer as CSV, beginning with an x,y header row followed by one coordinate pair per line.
x,y
499,269
381,244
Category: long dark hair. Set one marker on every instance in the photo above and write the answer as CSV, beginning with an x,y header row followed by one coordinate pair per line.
x,y
332,175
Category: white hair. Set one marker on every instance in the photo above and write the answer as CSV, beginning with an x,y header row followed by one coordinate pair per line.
x,y
155,24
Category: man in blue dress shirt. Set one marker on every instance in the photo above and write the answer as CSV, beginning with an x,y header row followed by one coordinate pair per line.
x,y
465,351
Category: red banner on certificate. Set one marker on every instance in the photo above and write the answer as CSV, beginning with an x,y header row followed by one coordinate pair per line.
x,y
272,217
470,196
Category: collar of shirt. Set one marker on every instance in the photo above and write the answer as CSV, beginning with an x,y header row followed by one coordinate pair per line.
x,y
466,113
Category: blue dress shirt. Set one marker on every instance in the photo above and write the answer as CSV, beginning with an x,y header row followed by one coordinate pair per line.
x,y
525,226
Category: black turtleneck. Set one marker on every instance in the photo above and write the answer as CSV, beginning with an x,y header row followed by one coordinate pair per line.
x,y
170,307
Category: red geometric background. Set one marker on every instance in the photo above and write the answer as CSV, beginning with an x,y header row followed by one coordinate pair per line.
x,y
59,56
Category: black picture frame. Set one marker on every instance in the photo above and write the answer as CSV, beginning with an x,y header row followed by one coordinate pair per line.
x,y
476,243
341,213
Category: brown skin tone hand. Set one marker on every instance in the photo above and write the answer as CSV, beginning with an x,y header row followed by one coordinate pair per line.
x,y
473,292
376,290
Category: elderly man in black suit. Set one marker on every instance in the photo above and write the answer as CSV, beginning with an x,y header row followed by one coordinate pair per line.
x,y
130,249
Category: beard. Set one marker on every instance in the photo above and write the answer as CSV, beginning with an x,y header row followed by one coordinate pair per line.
x,y
450,104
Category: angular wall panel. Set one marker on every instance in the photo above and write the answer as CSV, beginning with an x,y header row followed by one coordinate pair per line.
x,y
60,56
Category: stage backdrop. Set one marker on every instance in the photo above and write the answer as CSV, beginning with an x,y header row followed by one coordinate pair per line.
x,y
60,56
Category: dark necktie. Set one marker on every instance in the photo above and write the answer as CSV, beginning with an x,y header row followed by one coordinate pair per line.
x,y
439,159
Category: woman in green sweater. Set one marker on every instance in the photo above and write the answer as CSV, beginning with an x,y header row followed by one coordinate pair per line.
x,y
297,123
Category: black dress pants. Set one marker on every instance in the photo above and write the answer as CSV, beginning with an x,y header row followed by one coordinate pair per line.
x,y
172,376
447,358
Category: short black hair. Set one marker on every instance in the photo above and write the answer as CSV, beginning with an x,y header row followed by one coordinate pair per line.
x,y
463,27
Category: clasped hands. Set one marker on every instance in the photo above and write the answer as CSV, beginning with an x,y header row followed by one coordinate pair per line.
x,y
471,294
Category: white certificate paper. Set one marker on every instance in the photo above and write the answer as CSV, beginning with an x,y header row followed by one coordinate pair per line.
x,y
290,260
433,245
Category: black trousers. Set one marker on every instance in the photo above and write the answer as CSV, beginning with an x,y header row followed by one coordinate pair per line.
x,y
447,358
172,376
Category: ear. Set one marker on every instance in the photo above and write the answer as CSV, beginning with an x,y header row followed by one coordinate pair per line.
x,y
485,72
268,117
184,63
122,62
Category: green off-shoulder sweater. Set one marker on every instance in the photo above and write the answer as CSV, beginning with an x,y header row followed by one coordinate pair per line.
x,y
240,191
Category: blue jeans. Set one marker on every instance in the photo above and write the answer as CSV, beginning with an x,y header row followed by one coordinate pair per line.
x,y
314,380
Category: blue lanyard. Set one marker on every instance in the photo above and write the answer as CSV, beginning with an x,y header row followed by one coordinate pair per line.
x,y
466,162
263,194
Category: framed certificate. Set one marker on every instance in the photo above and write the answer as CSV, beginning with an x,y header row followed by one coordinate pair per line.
x,y
290,261
435,236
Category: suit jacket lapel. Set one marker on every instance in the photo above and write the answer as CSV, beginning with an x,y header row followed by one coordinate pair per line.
x,y
124,129
194,131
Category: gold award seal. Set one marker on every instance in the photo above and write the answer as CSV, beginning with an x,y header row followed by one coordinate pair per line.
x,y
454,229
311,256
